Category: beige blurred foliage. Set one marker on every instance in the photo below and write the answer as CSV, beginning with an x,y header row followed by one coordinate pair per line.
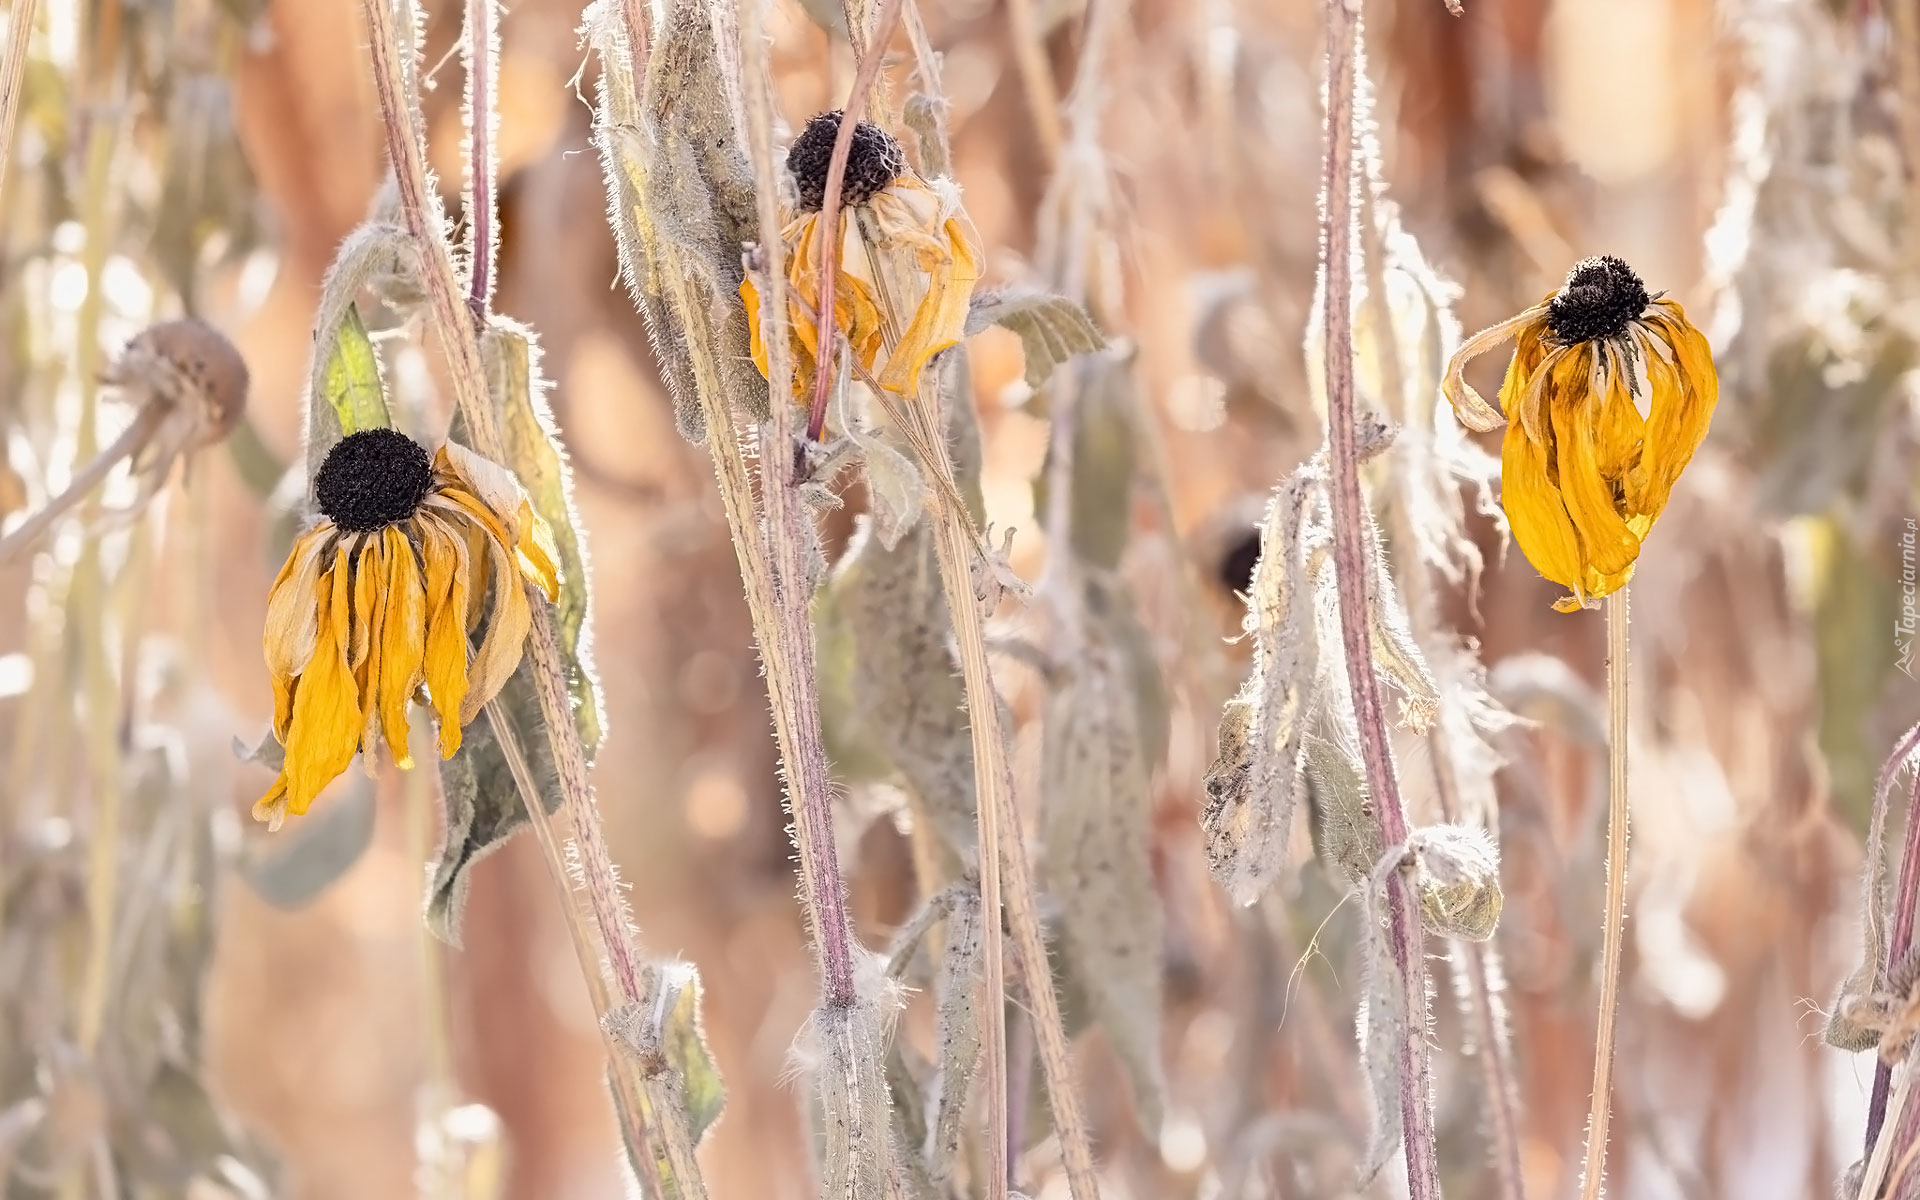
x,y
1527,133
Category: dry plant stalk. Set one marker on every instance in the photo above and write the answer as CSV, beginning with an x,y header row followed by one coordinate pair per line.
x,y
1353,579
651,1116
19,37
1614,919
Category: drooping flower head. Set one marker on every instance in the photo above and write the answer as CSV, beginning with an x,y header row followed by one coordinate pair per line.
x,y
1608,395
377,599
909,259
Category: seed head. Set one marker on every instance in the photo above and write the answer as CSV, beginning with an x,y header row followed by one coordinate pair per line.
x,y
191,364
1600,298
874,160
373,479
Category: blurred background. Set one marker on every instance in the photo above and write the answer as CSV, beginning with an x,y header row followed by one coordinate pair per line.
x,y
300,1035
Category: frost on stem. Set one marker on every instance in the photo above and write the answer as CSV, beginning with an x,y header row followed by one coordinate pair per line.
x,y
1289,732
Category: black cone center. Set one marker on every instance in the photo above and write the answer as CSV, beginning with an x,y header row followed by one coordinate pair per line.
x,y
1601,298
372,479
874,160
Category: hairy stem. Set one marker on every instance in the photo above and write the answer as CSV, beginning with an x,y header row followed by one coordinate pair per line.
x,y
1479,962
1906,897
1613,932
482,48
603,931
779,602
1352,576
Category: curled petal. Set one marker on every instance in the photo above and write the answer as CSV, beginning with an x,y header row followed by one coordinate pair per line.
x,y
1684,396
506,635
492,483
539,557
1468,405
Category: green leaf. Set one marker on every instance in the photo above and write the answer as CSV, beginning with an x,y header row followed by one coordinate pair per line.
x,y
1052,328
354,390
685,1041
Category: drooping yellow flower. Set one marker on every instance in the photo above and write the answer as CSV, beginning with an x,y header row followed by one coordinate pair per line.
x,y
909,259
377,599
1608,395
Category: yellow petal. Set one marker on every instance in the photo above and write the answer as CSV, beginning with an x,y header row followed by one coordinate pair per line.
x,y
1606,544
326,723
293,620
446,649
941,318
1534,510
1619,429
756,344
1684,396
506,635
539,557
369,624
403,639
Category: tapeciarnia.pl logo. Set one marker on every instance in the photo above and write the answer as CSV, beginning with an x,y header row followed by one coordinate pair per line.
x,y
1904,628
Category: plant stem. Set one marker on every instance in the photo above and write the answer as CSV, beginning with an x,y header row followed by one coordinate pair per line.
x,y
1615,918
1351,573
1906,898
1036,77
482,47
830,220
19,37
84,481
780,604
604,929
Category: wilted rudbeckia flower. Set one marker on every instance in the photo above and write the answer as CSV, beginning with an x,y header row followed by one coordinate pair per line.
x,y
1608,395
378,598
900,295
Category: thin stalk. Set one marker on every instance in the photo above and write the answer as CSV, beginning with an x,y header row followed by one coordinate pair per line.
x,y
1351,574
830,215
19,36
1613,932
780,602
482,47
1036,77
84,481
646,1103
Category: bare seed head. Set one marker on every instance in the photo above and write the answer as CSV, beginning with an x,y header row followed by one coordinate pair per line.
x,y
190,366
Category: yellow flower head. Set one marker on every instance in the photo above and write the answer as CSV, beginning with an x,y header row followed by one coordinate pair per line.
x,y
378,597
908,259
1608,395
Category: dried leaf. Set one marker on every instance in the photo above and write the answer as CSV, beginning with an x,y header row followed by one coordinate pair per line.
x,y
667,1032
1383,1021
1052,329
956,1033
483,805
1346,833
538,460
1255,783
1097,825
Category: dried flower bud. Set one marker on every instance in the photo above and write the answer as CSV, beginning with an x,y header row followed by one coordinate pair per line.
x,y
874,160
1457,873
